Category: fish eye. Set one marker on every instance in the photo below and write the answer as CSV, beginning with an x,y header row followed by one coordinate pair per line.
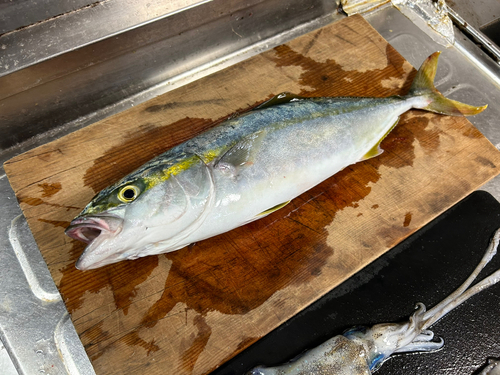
x,y
128,193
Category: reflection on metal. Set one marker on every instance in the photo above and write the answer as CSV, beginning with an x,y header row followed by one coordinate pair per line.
x,y
351,7
431,17
68,345
475,35
6,363
32,279
74,29
34,325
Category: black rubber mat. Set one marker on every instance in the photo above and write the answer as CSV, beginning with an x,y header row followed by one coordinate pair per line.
x,y
425,268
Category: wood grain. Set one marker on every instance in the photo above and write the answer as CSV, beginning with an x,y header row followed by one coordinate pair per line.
x,y
189,311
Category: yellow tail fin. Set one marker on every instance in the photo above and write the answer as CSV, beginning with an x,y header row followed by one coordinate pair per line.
x,y
423,85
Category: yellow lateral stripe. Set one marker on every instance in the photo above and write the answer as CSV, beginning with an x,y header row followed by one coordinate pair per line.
x,y
159,177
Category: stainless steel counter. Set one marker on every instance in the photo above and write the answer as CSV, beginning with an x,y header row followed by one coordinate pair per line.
x,y
47,96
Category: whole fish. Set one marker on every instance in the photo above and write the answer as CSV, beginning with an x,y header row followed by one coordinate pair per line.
x,y
243,169
362,350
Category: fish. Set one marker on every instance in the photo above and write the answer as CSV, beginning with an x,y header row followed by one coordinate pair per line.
x,y
244,169
363,350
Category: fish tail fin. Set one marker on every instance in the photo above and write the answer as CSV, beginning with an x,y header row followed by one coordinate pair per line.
x,y
423,86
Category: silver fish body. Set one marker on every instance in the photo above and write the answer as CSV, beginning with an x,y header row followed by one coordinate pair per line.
x,y
242,170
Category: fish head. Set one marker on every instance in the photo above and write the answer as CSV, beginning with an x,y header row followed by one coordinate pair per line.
x,y
146,213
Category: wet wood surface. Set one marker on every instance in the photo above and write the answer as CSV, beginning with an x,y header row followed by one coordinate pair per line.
x,y
190,310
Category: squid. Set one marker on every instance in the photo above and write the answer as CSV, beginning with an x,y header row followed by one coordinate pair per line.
x,y
363,350
492,368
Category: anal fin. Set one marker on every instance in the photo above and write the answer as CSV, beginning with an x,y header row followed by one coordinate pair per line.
x,y
273,209
376,150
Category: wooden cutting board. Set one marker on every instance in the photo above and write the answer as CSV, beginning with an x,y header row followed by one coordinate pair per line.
x,y
189,311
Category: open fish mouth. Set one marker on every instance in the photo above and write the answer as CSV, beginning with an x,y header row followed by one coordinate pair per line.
x,y
87,229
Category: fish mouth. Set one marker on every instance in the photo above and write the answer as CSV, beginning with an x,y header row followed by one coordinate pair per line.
x,y
93,230
87,229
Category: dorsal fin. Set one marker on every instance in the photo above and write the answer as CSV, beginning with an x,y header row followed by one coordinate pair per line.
x,y
283,98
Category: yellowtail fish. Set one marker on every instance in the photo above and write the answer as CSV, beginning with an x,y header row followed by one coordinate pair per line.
x,y
362,350
243,169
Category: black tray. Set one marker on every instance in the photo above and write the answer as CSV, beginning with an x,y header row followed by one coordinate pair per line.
x,y
425,268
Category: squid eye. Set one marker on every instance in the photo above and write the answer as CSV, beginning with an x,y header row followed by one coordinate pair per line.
x,y
128,193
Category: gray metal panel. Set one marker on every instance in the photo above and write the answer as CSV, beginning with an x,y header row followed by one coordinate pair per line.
x,y
101,19
34,325
22,13
5,362
477,13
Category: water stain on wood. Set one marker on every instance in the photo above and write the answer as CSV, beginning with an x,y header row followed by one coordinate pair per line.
x,y
392,234
472,132
122,277
328,78
133,339
35,201
407,219
485,162
190,356
399,143
94,336
49,190
31,201
56,223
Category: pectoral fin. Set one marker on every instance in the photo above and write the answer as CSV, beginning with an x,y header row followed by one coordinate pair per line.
x,y
241,154
376,150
